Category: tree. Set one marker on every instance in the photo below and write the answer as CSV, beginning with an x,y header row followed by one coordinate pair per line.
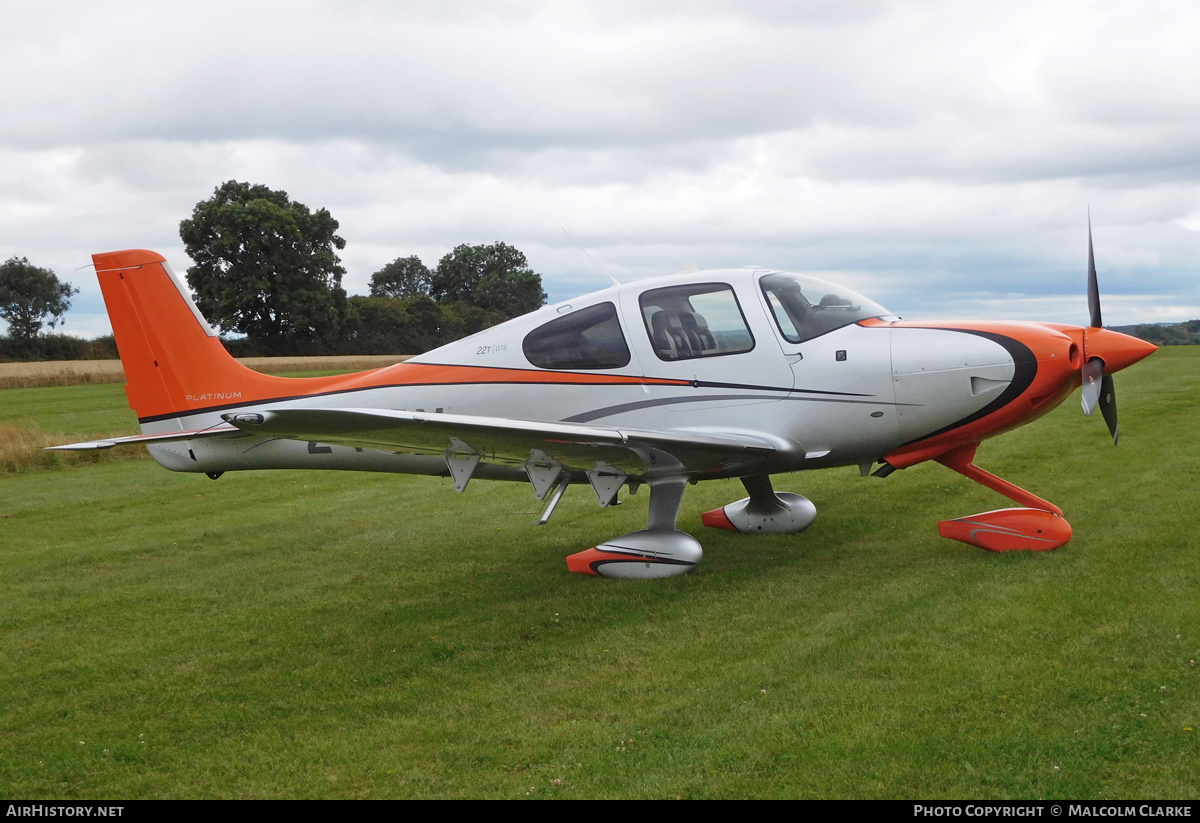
x,y
495,277
403,277
29,295
392,325
266,266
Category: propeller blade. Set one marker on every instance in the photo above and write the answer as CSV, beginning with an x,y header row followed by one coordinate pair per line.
x,y
1093,376
1108,351
1108,405
1093,286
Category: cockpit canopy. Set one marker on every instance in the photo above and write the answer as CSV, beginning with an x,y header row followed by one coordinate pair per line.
x,y
806,307
693,319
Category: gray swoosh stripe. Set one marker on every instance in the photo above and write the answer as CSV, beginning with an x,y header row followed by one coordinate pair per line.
x,y
596,414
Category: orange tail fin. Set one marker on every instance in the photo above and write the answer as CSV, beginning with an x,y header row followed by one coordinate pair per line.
x,y
174,362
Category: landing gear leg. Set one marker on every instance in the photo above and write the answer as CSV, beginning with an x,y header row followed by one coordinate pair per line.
x,y
659,550
1039,528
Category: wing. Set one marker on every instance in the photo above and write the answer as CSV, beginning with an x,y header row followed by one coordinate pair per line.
x,y
469,439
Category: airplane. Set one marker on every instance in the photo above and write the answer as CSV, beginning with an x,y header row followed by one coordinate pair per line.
x,y
741,373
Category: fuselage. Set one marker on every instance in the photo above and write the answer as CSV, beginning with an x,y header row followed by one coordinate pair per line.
x,y
829,377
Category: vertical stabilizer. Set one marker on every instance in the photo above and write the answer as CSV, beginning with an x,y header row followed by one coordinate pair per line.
x,y
174,362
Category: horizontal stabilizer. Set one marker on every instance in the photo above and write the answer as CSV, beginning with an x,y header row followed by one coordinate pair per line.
x,y
223,430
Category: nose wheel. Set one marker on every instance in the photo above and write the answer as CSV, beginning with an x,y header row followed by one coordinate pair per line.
x,y
765,511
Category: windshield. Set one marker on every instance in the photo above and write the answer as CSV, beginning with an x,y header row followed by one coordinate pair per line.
x,y
805,307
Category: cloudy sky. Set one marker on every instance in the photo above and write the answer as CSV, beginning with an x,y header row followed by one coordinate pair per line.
x,y
940,157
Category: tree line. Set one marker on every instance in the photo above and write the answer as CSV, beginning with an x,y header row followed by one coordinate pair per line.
x,y
1186,333
265,268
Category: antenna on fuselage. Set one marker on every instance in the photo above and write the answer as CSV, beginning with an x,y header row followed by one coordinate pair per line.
x,y
616,282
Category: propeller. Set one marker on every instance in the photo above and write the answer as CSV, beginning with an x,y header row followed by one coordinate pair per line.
x,y
1098,387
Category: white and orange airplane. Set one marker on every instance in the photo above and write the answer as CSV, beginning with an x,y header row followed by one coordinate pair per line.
x,y
736,373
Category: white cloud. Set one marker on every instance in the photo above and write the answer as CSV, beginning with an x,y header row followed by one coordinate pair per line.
x,y
934,155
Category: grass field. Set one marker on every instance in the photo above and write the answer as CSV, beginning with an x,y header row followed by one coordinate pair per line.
x,y
338,635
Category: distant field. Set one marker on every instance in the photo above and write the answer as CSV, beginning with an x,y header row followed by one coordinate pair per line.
x,y
74,372
306,634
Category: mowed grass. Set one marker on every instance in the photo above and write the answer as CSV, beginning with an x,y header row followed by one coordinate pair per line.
x,y
314,634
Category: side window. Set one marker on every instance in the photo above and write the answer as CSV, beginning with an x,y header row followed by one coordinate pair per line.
x,y
590,338
696,320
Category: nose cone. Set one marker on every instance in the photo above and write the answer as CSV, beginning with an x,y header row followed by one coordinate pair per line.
x,y
1115,349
